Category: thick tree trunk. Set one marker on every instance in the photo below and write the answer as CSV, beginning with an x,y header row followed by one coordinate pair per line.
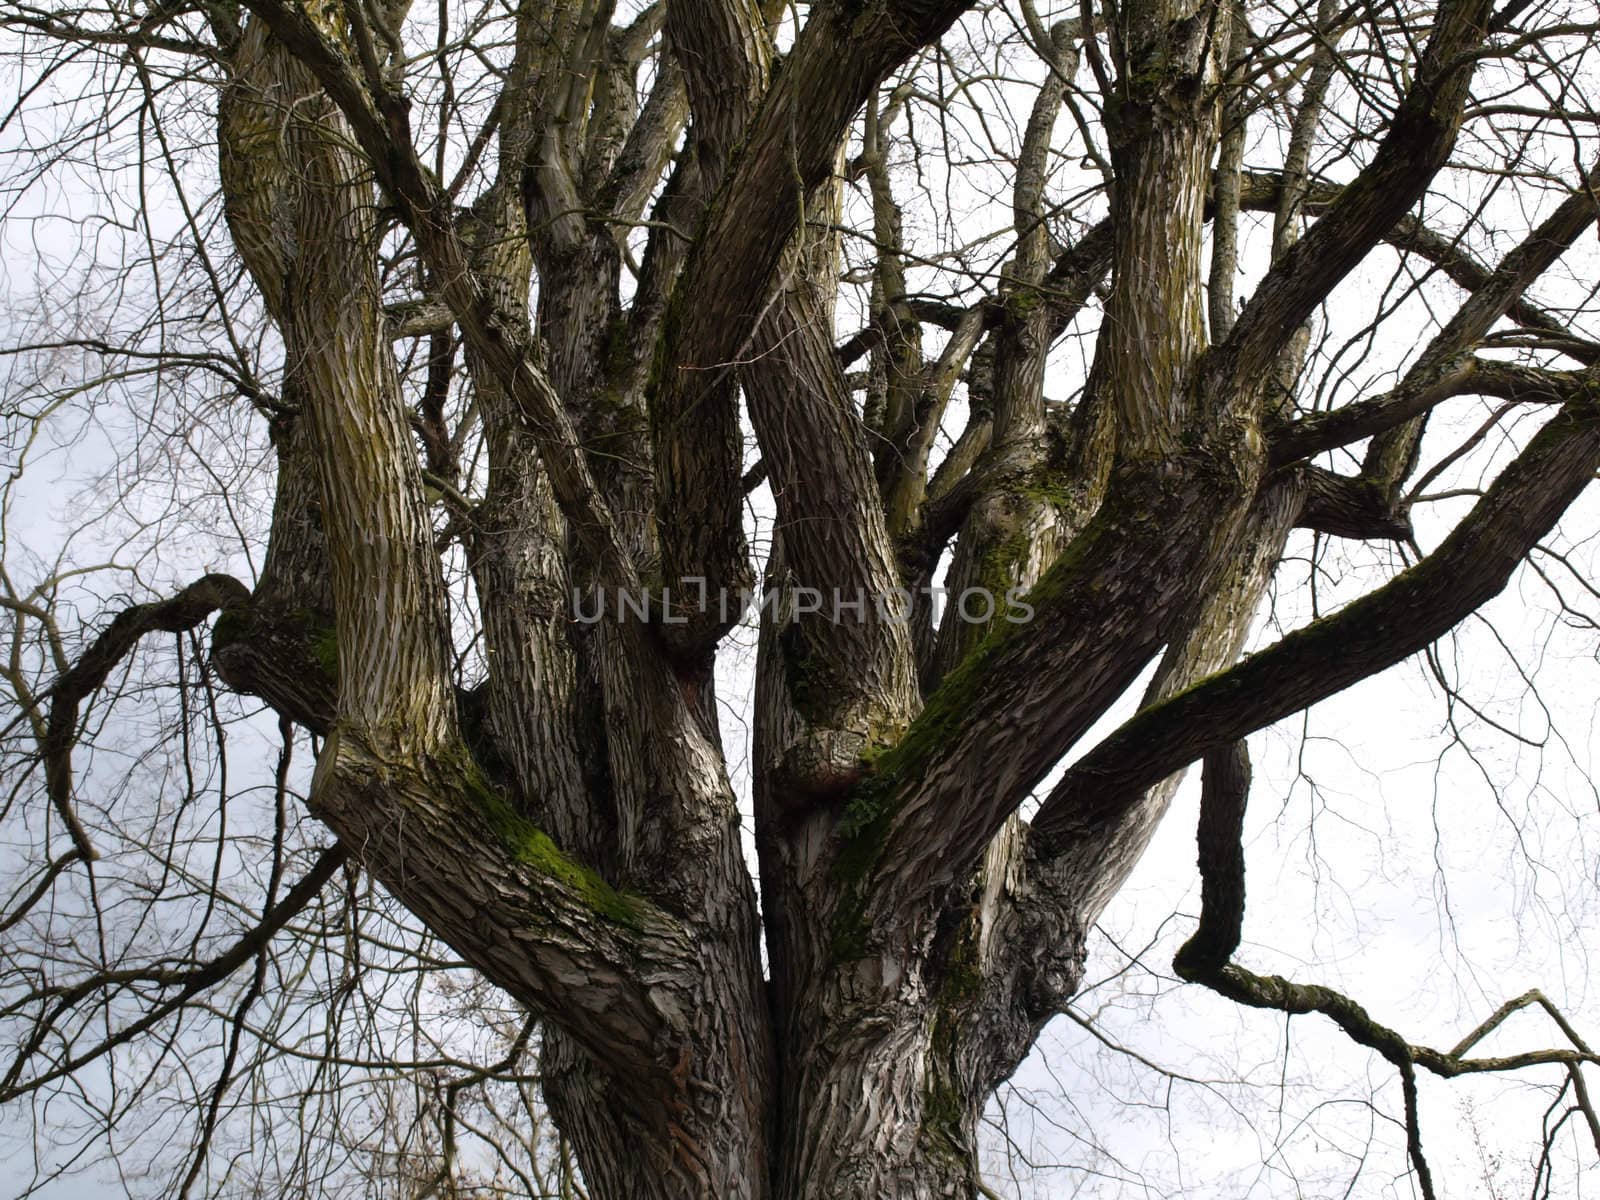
x,y
862,1069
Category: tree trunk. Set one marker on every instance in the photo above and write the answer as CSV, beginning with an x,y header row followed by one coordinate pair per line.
x,y
570,828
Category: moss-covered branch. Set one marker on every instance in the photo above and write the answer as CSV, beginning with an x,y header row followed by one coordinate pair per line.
x,y
609,968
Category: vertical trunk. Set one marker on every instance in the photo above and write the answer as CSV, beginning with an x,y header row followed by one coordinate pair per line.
x,y
1161,123
873,1105
281,644
389,597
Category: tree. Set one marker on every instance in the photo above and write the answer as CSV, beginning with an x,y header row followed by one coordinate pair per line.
x,y
505,287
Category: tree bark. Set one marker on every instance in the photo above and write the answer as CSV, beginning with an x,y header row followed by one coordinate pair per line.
x,y
570,827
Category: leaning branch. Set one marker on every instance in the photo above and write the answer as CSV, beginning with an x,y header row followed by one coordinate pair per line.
x,y
1413,610
1411,236
608,967
1417,394
1440,371
1001,719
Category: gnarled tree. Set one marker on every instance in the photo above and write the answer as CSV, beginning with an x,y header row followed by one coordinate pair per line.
x,y
512,288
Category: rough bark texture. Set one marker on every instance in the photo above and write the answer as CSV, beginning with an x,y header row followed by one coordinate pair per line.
x,y
833,1025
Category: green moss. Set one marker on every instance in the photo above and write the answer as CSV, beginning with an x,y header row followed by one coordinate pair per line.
x,y
239,621
941,1121
534,848
811,681
893,771
666,340
848,942
878,796
1001,565
324,644
230,625
616,354
869,816
962,979
1108,522
941,1115
1022,302
796,676
1052,483
943,1109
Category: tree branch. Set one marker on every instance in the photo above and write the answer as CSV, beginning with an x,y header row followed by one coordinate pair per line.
x,y
838,58
1205,959
610,968
181,612
1416,608
1351,507
1417,144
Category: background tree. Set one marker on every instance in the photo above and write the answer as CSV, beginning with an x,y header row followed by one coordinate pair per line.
x,y
505,289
